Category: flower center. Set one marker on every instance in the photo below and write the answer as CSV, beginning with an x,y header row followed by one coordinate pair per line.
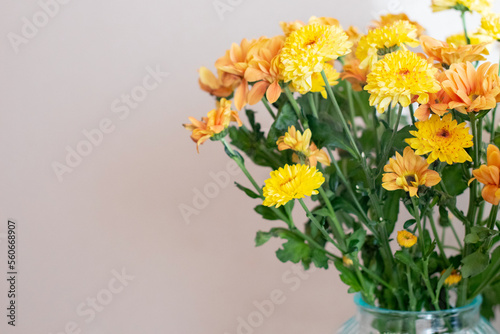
x,y
443,133
404,72
410,179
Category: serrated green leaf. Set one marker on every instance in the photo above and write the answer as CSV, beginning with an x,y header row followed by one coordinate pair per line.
x,y
294,251
286,117
471,238
319,258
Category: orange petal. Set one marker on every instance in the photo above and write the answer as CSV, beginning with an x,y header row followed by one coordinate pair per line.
x,y
273,92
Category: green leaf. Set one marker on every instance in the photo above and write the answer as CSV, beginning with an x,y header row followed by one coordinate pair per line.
x,y
444,217
391,207
294,251
262,237
266,212
471,238
347,276
405,258
319,258
452,176
409,223
474,264
250,193
357,239
286,117
326,132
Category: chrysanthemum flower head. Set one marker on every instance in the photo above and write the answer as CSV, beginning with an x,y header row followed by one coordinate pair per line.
x,y
470,89
381,41
317,82
490,25
263,70
301,143
289,182
454,278
437,104
400,76
347,261
475,38
442,139
307,49
235,61
480,6
446,54
216,122
408,172
489,175
221,86
389,19
354,73
406,239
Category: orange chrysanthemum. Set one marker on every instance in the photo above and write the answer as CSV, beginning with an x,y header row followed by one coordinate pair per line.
x,y
235,61
472,90
221,86
354,73
301,143
389,19
446,54
216,122
437,104
264,71
408,172
489,175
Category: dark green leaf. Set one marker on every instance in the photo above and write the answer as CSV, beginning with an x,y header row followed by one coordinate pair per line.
x,y
294,251
250,193
409,223
266,212
452,176
286,117
347,276
319,258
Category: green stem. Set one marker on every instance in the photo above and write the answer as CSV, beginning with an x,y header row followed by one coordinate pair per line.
x,y
456,237
333,215
296,107
438,241
493,217
336,107
352,113
268,107
377,278
317,224
413,301
241,164
310,98
387,149
467,39
412,114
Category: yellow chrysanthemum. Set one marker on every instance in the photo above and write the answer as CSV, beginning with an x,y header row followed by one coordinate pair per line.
x,y
301,143
398,78
307,49
475,38
289,182
389,19
480,6
443,139
406,239
381,41
490,25
454,278
318,84
408,172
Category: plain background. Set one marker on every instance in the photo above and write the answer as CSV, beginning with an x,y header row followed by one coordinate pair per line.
x,y
119,207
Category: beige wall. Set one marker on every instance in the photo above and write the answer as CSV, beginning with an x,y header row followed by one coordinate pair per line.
x,y
116,214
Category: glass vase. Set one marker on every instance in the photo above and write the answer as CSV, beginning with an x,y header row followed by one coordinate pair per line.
x,y
374,320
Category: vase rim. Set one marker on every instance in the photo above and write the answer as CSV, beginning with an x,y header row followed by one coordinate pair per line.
x,y
358,300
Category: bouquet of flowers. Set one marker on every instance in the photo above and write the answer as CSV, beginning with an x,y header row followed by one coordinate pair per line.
x,y
364,129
